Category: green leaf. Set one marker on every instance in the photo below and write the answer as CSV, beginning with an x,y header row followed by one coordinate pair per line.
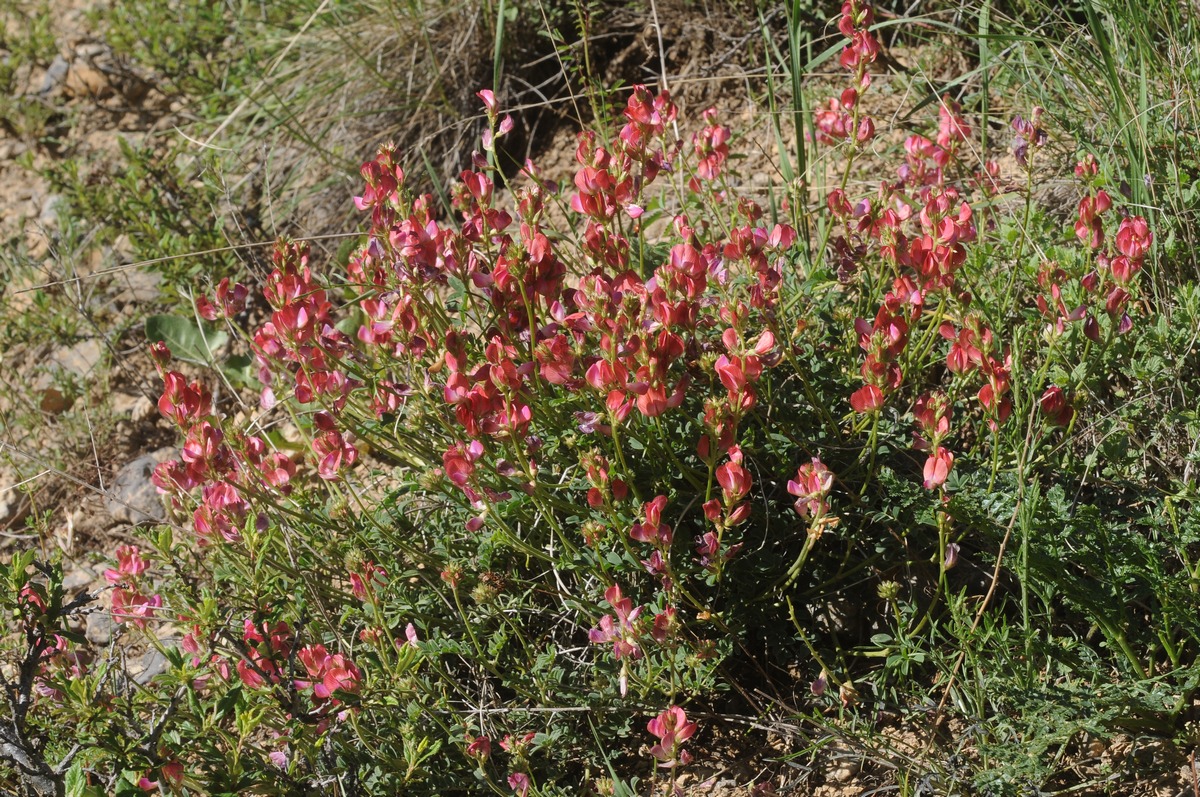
x,y
350,324
186,340
228,702
75,783
239,370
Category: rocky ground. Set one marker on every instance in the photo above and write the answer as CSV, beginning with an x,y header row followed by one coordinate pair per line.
x,y
78,431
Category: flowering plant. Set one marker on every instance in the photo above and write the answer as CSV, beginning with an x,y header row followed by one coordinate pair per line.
x,y
570,456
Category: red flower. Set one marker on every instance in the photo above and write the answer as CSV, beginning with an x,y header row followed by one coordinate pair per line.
x,y
1055,407
867,399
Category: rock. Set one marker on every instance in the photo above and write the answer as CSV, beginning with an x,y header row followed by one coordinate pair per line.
x,y
100,628
122,403
132,498
148,666
14,505
85,80
80,359
78,578
14,508
135,408
48,216
143,408
55,75
137,286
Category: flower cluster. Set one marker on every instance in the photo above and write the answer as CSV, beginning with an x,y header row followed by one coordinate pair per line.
x,y
843,118
672,729
642,377
129,603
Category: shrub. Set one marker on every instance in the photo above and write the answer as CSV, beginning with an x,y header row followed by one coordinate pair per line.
x,y
540,496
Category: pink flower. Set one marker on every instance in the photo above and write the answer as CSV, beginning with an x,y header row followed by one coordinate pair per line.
x,y
1055,407
459,462
365,581
937,468
672,729
330,673
811,487
129,606
519,782
621,631
130,564
734,479
867,399
932,412
489,101
1134,238
653,530
518,746
183,403
479,748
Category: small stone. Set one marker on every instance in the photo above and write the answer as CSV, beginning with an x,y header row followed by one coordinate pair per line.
x,y
81,358
55,75
133,498
100,628
48,216
89,49
78,578
841,772
84,80
148,666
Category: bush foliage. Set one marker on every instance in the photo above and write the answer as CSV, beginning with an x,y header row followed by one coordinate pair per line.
x,y
547,495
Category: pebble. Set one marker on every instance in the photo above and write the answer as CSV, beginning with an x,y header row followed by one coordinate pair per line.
x,y
78,578
148,666
100,628
55,74
133,498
